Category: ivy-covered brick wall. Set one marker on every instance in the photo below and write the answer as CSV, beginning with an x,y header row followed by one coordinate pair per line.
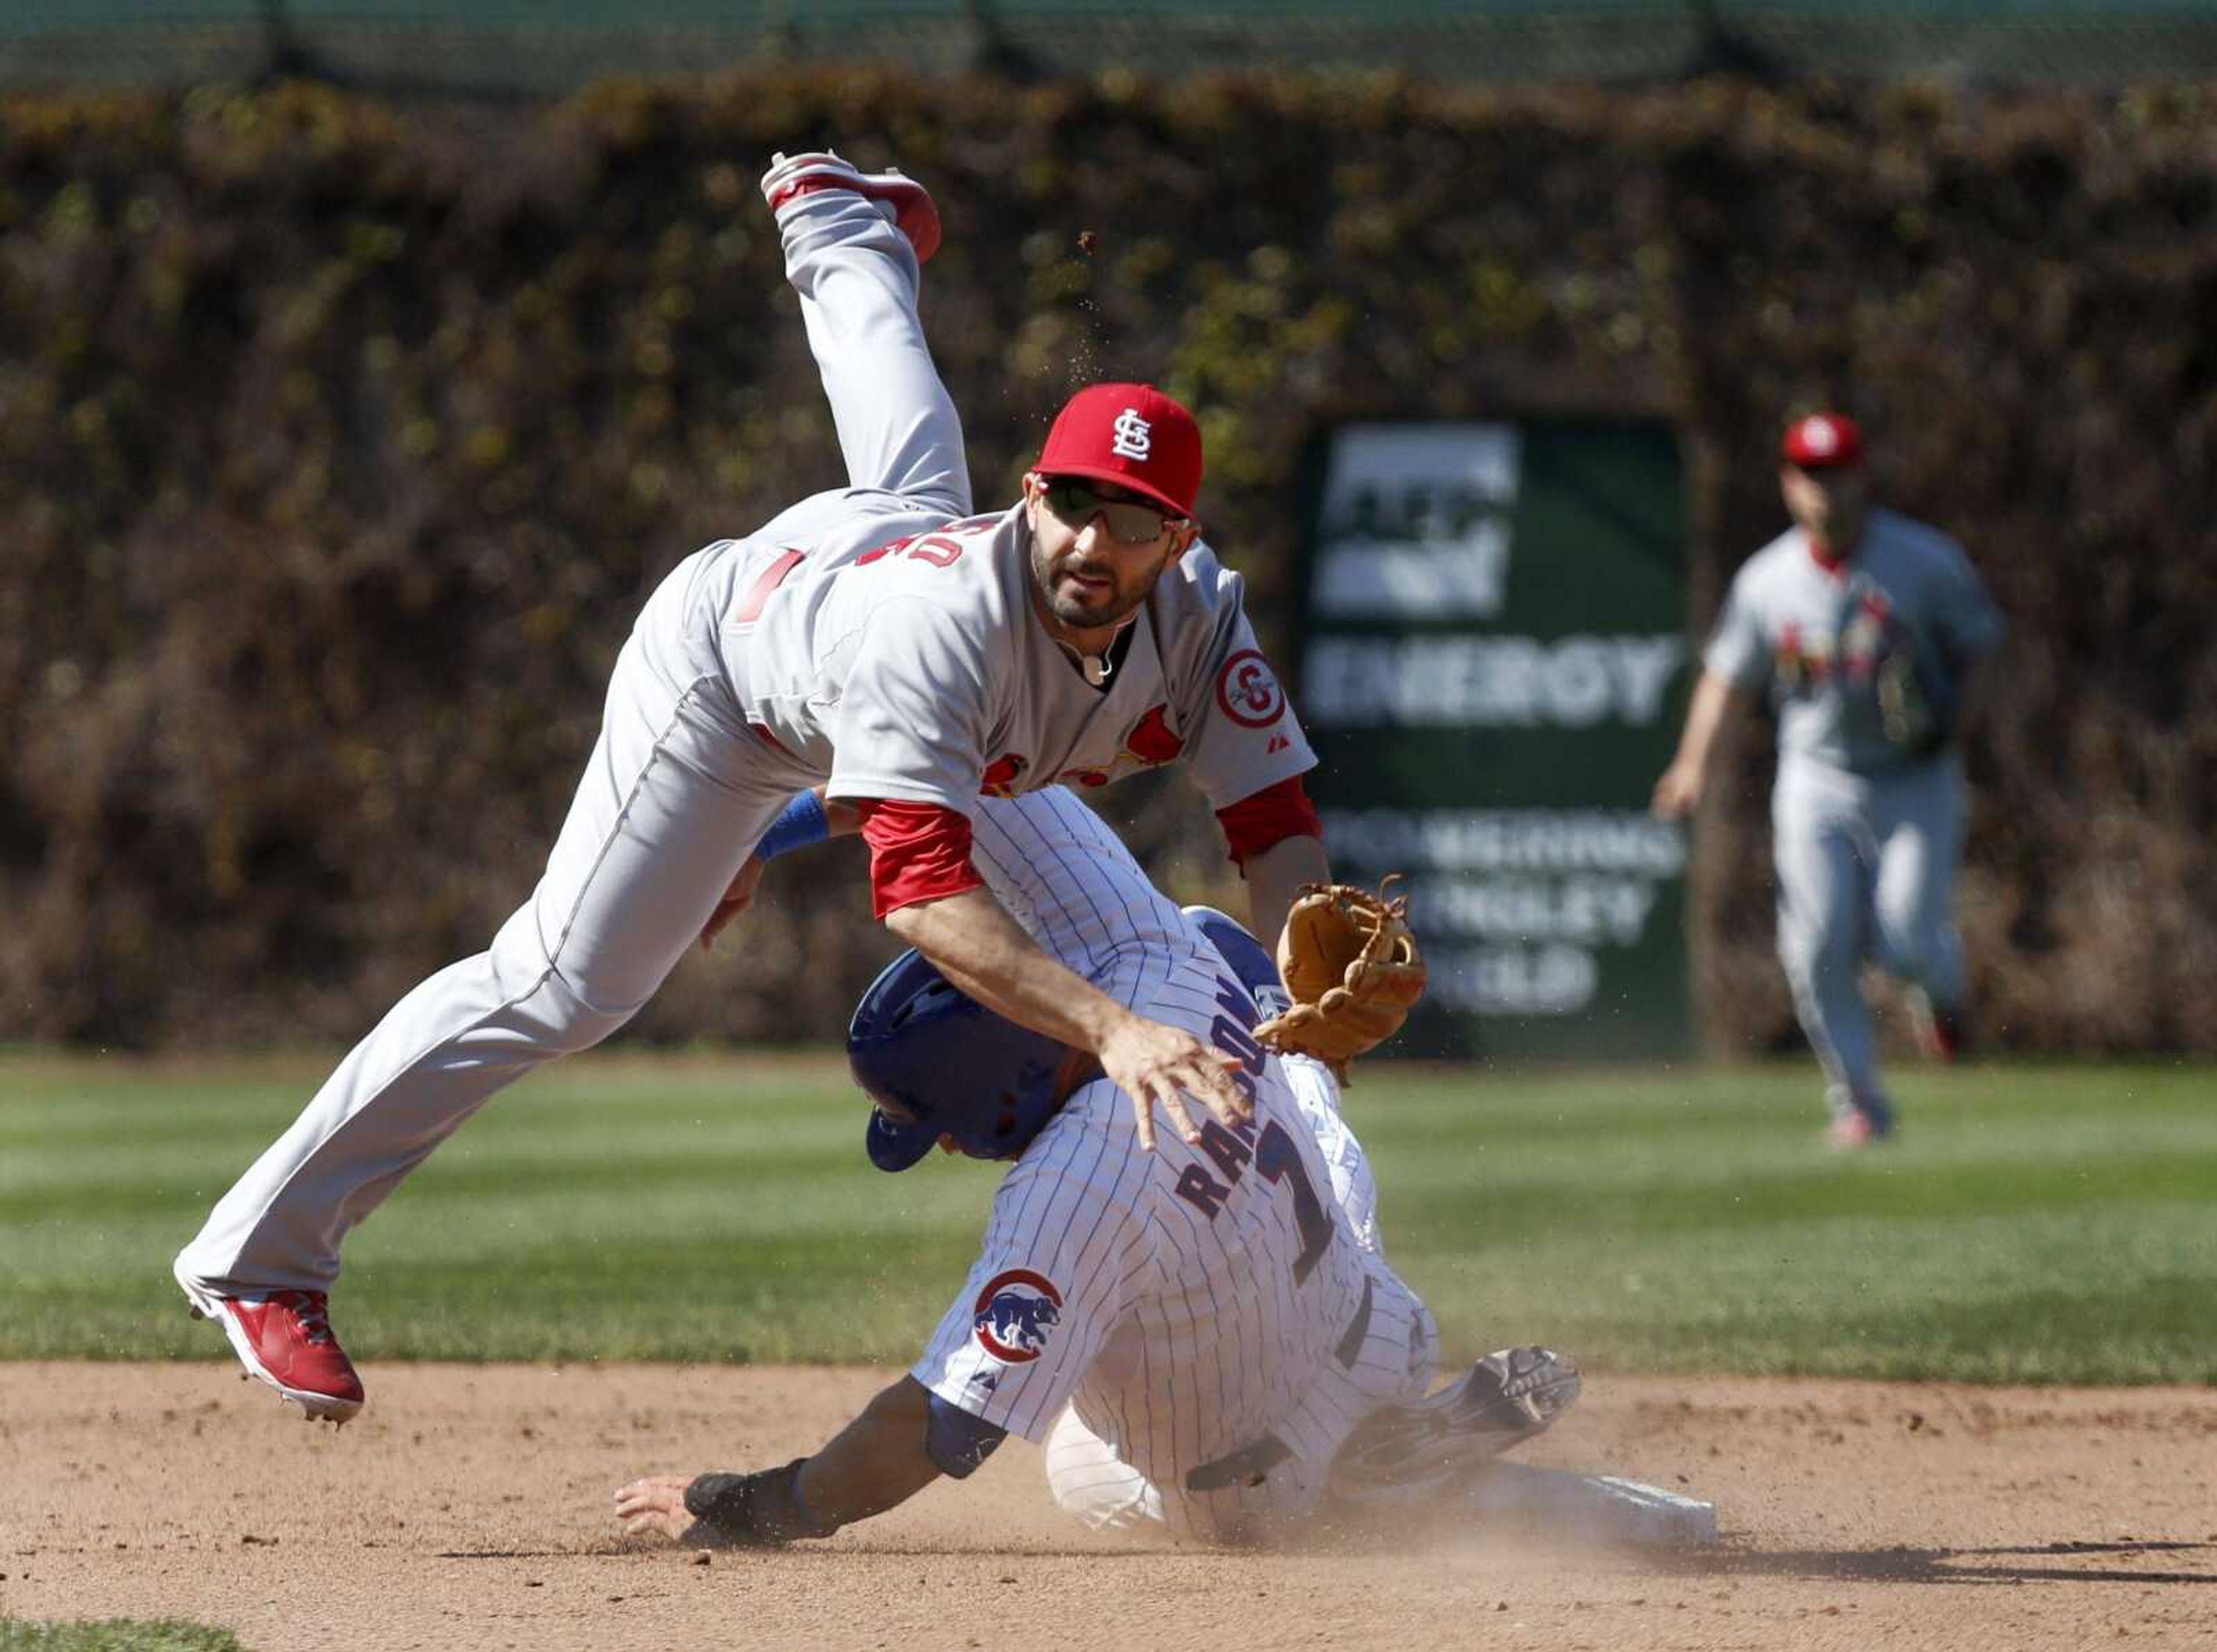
x,y
340,441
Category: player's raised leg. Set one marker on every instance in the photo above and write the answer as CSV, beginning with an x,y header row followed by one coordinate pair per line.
x,y
1920,839
669,803
853,244
1824,925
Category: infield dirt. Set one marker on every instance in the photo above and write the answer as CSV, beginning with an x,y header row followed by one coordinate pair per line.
x,y
468,1507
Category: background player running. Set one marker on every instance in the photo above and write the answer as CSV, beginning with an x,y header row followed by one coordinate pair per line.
x,y
1863,626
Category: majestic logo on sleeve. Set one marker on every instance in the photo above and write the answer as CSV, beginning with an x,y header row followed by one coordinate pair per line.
x,y
1014,1313
1248,692
1136,438
1001,775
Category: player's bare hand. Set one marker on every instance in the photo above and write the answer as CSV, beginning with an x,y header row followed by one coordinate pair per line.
x,y
736,900
655,1504
1157,1065
1677,792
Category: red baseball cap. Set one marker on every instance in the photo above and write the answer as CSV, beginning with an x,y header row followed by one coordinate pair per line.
x,y
1132,435
1823,442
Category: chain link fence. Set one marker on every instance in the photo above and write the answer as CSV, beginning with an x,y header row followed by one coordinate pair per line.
x,y
502,49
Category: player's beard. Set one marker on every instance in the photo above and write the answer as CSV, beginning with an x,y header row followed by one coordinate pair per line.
x,y
1078,609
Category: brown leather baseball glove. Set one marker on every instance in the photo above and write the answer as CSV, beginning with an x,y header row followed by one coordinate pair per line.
x,y
1354,972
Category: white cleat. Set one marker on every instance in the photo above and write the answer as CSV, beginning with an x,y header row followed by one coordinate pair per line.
x,y
1403,1454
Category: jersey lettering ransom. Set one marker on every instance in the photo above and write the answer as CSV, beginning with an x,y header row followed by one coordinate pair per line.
x,y
1271,1152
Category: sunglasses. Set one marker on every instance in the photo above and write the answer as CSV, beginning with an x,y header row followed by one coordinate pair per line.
x,y
1129,522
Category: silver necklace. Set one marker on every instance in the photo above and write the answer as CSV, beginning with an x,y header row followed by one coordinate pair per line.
x,y
1096,667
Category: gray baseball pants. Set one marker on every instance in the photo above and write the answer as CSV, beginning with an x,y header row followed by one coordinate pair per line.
x,y
674,797
1866,872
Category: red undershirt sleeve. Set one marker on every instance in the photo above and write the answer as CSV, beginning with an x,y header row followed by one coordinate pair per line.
x,y
1269,818
919,852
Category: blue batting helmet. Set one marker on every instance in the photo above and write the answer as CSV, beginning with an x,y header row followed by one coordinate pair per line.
x,y
1256,969
937,1062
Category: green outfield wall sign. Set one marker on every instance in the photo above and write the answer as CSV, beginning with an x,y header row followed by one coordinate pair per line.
x,y
1490,667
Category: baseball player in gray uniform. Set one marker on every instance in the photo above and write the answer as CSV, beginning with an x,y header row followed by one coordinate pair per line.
x,y
1205,1337
878,641
1863,626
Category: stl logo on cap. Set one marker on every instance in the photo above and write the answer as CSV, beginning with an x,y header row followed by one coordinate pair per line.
x,y
1823,439
1014,1314
1134,436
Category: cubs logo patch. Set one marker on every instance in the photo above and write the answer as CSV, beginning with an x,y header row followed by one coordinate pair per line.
x,y
1249,692
1014,1314
1001,775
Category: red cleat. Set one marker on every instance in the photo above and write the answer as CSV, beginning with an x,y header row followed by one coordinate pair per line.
x,y
1856,1129
791,176
1942,1036
1850,1133
284,1338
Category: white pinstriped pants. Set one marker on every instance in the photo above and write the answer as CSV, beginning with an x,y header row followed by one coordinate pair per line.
x,y
1393,1364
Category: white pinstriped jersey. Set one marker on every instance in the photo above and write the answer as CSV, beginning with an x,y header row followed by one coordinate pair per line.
x,y
1188,1302
914,668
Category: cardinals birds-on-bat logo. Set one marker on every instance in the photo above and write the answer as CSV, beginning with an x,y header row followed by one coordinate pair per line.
x,y
1151,744
1001,775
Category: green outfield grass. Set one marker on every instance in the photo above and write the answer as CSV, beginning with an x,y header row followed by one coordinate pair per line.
x,y
114,1635
2040,1224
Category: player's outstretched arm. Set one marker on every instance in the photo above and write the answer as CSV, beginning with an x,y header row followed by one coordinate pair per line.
x,y
1274,881
877,1462
976,944
1711,712
810,818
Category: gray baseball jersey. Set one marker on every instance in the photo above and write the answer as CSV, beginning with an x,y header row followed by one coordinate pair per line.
x,y
1815,636
917,669
880,622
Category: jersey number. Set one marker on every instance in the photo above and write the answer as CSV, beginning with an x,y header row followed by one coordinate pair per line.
x,y
1272,1153
938,549
1280,1160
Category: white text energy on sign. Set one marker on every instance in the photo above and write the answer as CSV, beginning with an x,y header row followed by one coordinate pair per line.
x,y
1488,681
1516,905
